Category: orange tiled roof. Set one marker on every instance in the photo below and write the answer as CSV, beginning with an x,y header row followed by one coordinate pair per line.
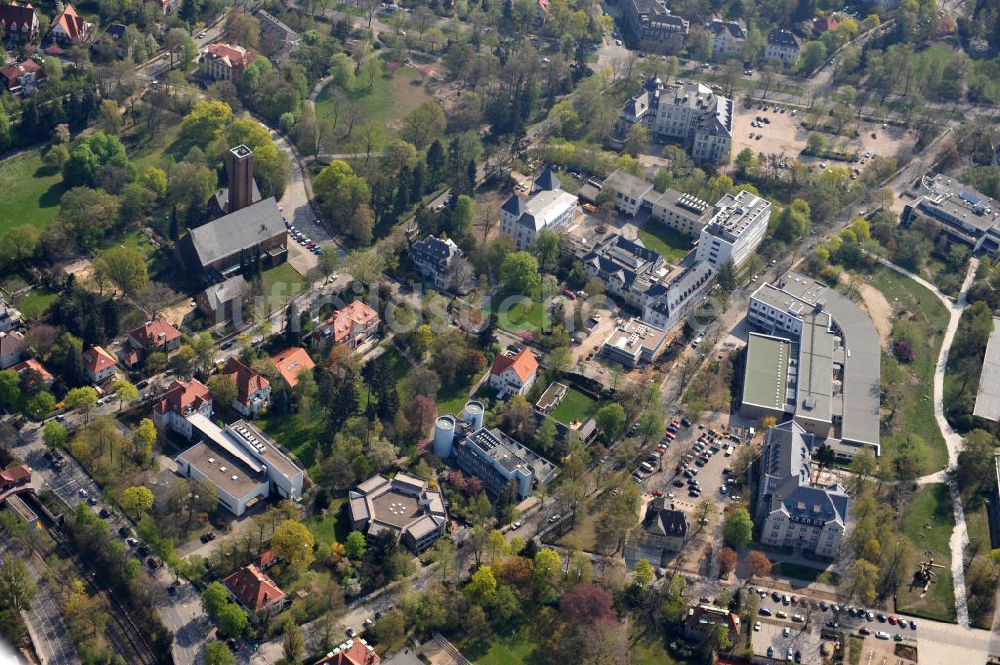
x,y
346,320
351,652
96,360
290,362
14,475
31,363
157,332
247,381
253,588
184,395
236,57
523,363
71,23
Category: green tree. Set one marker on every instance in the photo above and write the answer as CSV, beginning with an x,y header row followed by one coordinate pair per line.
x,y
136,500
860,581
293,543
738,528
54,435
424,124
223,387
17,589
83,398
519,272
125,391
610,420
10,389
206,122
293,641
218,653
355,545
643,575
233,620
482,586
213,599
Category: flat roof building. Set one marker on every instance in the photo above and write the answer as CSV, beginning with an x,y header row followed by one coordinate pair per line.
x,y
960,212
498,459
988,397
832,383
402,505
736,229
634,343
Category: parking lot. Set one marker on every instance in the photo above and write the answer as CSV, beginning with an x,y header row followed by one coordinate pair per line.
x,y
802,645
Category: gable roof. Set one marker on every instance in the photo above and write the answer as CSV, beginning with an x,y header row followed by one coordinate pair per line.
x,y
352,652
289,362
523,363
782,38
217,295
662,520
33,364
514,205
96,360
247,380
14,475
254,589
12,74
74,27
345,320
17,17
183,397
235,57
547,181
236,231
156,333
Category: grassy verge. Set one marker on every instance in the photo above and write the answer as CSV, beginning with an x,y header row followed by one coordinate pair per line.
x,y
574,407
281,283
32,192
806,573
668,243
927,523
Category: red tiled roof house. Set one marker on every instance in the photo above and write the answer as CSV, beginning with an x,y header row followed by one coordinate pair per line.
x,y
253,390
31,364
152,336
22,77
290,362
98,364
68,28
352,652
513,373
354,325
182,399
225,62
14,476
255,591
19,22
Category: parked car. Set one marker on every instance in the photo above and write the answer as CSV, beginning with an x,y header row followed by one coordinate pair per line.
x,y
864,631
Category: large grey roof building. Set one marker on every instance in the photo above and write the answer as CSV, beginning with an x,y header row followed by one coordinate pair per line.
x,y
988,397
791,509
497,460
402,505
548,207
829,381
254,233
958,211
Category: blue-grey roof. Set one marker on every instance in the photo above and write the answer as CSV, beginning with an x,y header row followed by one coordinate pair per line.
x,y
548,180
515,205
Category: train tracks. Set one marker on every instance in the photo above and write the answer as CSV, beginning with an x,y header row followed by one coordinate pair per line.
x,y
121,632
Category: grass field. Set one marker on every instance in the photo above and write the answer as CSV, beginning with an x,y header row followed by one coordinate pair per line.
x,y
520,315
806,573
331,528
650,651
298,434
574,407
281,283
668,243
383,104
516,649
915,413
927,522
34,304
452,398
33,192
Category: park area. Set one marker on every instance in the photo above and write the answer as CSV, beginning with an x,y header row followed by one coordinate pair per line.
x,y
32,192
927,523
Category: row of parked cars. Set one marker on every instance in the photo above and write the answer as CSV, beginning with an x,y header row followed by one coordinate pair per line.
x,y
303,239
652,461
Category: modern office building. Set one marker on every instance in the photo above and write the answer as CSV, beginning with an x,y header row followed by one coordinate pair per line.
x,y
627,268
816,362
792,510
673,302
630,191
679,211
959,212
735,230
634,343
988,395
402,505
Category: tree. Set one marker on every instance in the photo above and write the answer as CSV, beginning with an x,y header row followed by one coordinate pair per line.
x,y
482,587
587,604
519,272
17,589
136,500
206,122
975,461
738,529
223,387
355,545
218,653
91,153
54,435
424,124
293,542
232,620
293,642
643,575
125,391
610,420
860,581
83,398
125,267
213,599
727,562
636,140
757,564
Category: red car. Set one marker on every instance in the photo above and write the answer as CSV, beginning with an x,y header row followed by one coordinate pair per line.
x,y
864,630
657,493
569,294
892,620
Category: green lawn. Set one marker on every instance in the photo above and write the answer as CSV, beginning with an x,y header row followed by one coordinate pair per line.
x,y
331,528
927,522
670,244
33,192
133,240
452,398
519,313
281,283
516,649
806,573
574,407
650,651
299,435
34,304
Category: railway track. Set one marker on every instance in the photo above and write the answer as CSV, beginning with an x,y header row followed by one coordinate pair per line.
x,y
121,632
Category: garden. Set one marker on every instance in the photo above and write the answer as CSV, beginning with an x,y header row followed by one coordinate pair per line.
x,y
927,522
672,245
574,407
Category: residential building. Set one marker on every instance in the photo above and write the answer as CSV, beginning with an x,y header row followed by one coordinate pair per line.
x,y
729,39
68,28
958,212
442,263
354,651
277,40
169,6
654,27
156,336
255,592
782,46
513,372
630,191
14,476
701,617
792,510
634,343
253,390
736,229
692,114
182,399
664,530
223,302
290,362
548,207
12,348
98,364
355,325
988,395
45,378
679,211
670,304
19,22
22,78
10,316
221,248
815,360
224,62
627,268
554,393
402,505
541,11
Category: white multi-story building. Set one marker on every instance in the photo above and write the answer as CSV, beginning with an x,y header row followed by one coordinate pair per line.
x,y
782,46
513,373
736,229
691,113
729,38
792,510
681,212
548,207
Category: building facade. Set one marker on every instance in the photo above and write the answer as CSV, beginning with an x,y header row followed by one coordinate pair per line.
x,y
402,505
442,263
224,247
353,326
548,207
960,213
224,62
182,399
653,26
782,46
679,211
99,364
19,22
729,39
513,373
736,229
499,460
634,343
680,296
253,390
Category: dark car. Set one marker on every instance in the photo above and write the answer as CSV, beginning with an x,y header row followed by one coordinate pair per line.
x,y
172,590
764,612
124,532
105,513
208,537
143,550
694,493
678,483
775,596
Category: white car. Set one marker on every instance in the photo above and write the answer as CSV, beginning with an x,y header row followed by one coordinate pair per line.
x,y
787,631
517,525
84,493
882,635
554,519
756,626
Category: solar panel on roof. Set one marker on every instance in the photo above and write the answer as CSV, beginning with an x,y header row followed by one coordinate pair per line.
x,y
970,198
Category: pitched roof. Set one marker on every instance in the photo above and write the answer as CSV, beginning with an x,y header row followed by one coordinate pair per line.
x,y
155,333
345,320
233,56
548,181
96,360
254,589
662,520
782,38
33,364
183,397
290,362
15,474
217,295
522,362
352,652
248,381
13,73
17,17
236,231
72,25
514,205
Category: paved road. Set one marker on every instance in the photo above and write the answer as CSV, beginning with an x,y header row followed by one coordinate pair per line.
x,y
44,619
